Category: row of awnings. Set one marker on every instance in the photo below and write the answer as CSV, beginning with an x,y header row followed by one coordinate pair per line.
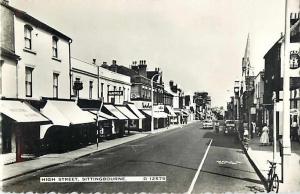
x,y
66,113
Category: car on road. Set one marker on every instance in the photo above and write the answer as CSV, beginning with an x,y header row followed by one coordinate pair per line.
x,y
229,127
207,124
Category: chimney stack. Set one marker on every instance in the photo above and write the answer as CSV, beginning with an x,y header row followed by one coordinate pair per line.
x,y
114,62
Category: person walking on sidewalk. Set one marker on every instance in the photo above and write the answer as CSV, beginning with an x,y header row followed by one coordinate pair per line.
x,y
253,128
264,139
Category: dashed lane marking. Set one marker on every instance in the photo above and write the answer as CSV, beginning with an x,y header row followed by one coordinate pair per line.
x,y
198,171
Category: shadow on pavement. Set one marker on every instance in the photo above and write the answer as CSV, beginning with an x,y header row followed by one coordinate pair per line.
x,y
237,169
148,161
234,177
221,140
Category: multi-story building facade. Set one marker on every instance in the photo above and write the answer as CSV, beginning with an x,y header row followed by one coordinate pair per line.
x,y
141,91
273,78
258,98
35,67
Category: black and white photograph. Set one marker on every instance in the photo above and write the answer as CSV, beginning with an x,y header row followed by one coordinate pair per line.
x,y
150,96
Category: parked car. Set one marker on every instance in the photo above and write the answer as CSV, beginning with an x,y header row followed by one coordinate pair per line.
x,y
229,127
207,124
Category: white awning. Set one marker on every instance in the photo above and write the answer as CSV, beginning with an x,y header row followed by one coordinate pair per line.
x,y
114,111
21,112
65,113
103,115
127,112
156,115
171,111
136,111
95,115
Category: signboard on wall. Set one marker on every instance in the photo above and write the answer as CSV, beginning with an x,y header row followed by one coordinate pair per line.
x,y
253,110
159,108
115,93
142,104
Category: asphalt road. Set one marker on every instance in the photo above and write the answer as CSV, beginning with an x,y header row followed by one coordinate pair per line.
x,y
176,154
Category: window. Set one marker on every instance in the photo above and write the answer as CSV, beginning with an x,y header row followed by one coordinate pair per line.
x,y
27,36
28,81
54,46
1,62
55,85
102,85
120,95
91,90
108,93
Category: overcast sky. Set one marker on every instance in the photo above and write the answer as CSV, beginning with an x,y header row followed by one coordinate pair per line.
x,y
197,43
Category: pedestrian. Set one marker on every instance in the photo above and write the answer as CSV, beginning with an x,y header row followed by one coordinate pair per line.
x,y
298,134
253,128
294,131
264,139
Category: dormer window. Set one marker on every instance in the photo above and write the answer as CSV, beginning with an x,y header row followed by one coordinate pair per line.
x,y
28,37
54,46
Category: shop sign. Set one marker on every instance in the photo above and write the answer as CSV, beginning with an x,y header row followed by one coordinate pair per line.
x,y
115,93
253,110
142,104
159,108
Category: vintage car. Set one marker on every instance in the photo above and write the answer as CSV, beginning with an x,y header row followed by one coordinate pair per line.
x,y
207,124
229,127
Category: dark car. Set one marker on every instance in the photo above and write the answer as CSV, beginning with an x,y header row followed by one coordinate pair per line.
x,y
229,127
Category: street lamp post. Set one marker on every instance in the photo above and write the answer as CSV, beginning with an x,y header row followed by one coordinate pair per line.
x,y
236,92
152,98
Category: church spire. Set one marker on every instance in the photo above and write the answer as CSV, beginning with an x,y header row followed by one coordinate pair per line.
x,y
246,58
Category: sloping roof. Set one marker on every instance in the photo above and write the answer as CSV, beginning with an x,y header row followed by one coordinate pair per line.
x,y
10,54
294,31
28,18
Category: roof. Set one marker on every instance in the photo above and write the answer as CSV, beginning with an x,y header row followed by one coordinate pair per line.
x,y
28,18
294,31
9,53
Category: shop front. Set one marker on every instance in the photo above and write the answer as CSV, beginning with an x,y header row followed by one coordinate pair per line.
x,y
172,117
132,122
20,127
118,125
71,127
141,117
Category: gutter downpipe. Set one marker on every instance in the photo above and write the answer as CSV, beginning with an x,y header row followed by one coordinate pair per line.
x,y
70,66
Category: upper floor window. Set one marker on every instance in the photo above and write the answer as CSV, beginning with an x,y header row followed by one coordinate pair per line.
x,y
28,36
102,85
54,46
91,90
28,81
55,85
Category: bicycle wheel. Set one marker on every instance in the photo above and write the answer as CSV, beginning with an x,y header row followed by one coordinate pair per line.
x,y
275,183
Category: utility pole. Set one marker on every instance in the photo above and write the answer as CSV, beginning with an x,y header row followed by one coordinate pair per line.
x,y
286,141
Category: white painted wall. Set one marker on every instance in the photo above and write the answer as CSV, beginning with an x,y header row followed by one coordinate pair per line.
x,y
8,78
88,72
42,62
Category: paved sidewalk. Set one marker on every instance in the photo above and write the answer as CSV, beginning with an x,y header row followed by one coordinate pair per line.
x,y
45,161
260,154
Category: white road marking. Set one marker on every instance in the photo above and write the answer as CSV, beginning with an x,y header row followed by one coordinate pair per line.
x,y
198,171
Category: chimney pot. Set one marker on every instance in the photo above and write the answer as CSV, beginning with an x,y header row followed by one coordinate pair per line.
x,y
94,61
114,62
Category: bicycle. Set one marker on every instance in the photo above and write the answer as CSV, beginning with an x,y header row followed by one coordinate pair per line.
x,y
273,180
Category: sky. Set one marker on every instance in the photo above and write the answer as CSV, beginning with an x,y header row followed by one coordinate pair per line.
x,y
197,43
